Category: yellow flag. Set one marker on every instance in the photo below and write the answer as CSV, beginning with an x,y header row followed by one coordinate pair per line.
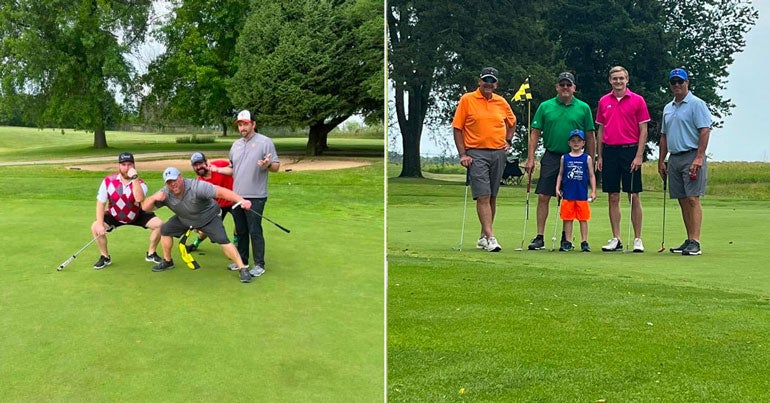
x,y
523,93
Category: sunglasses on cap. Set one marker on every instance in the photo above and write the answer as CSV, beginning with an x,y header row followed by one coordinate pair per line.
x,y
488,80
675,81
565,84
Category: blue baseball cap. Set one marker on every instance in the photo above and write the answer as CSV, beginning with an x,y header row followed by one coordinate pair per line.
x,y
677,72
577,132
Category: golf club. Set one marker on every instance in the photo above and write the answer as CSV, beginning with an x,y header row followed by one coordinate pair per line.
x,y
556,223
282,228
526,212
630,212
71,258
663,234
465,209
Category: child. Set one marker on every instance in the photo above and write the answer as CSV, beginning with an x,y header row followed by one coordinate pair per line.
x,y
575,173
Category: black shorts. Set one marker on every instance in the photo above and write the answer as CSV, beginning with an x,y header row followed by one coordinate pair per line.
x,y
549,172
142,218
616,170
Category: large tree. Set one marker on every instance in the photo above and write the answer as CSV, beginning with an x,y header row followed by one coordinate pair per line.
x,y
311,63
65,59
438,48
189,81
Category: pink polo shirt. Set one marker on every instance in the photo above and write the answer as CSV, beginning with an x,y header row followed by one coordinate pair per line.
x,y
621,118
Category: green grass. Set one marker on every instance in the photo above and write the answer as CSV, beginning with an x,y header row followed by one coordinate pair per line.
x,y
310,329
542,326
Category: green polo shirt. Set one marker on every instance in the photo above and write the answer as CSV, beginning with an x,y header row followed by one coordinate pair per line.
x,y
556,119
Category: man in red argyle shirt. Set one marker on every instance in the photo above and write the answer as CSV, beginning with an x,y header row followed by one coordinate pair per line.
x,y
118,202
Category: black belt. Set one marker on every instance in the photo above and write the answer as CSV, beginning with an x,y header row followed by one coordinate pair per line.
x,y
684,152
634,145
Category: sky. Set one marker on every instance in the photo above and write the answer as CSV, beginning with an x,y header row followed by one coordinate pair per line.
x,y
743,137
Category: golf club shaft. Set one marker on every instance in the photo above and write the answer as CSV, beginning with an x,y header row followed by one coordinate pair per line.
x,y
556,223
663,232
465,209
282,228
75,255
526,211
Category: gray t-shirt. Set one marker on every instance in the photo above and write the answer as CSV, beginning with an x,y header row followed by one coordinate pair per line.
x,y
249,179
196,207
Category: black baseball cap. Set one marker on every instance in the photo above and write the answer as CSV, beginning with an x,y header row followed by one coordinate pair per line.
x,y
488,72
125,157
197,158
566,76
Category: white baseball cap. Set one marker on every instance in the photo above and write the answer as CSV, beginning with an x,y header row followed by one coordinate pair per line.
x,y
244,116
171,174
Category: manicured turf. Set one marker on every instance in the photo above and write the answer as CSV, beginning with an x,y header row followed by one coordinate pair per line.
x,y
310,329
568,326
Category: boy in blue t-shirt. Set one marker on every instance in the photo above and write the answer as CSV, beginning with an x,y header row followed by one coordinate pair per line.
x,y
576,172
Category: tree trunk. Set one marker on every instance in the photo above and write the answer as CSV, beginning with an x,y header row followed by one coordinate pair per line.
x,y
317,141
411,123
224,128
100,137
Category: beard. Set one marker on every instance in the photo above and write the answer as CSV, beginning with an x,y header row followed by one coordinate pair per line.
x,y
202,171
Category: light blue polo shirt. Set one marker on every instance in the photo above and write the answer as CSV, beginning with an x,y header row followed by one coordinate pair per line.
x,y
681,123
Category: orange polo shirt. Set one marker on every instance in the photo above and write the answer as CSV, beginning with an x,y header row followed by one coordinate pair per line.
x,y
482,121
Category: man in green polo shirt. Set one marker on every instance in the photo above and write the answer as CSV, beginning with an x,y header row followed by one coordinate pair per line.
x,y
554,120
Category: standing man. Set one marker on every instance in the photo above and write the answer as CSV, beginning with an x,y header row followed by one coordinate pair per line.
x,y
209,172
193,203
554,120
622,117
685,135
483,128
252,157
118,202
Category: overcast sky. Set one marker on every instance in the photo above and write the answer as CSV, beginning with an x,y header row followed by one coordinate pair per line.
x,y
745,135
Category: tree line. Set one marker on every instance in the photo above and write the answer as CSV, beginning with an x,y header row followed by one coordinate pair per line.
x,y
437,48
298,63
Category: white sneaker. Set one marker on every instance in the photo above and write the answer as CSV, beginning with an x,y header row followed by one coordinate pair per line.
x,y
233,267
638,247
257,271
481,243
613,245
492,245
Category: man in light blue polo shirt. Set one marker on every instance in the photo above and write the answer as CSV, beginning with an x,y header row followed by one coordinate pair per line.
x,y
685,135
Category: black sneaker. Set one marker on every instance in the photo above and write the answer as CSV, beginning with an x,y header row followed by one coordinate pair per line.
x,y
584,247
681,247
154,258
164,265
244,274
566,246
102,262
537,243
692,249
191,247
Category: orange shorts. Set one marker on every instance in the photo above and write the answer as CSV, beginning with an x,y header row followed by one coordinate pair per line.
x,y
575,210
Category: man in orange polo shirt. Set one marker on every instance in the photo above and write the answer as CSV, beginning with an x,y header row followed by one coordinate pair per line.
x,y
483,126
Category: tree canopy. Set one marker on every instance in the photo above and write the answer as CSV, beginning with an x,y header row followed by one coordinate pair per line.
x,y
437,50
63,61
311,63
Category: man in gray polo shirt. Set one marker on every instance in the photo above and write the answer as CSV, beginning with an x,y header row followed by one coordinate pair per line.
x,y
193,203
252,157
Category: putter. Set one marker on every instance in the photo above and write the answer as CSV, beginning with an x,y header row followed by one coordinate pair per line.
x,y
526,213
282,228
465,209
663,234
71,258
556,223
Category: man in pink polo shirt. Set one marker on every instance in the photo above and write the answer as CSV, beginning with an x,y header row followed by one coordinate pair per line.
x,y
622,117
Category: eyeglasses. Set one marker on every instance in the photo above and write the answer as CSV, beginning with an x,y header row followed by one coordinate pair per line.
x,y
567,84
488,80
675,81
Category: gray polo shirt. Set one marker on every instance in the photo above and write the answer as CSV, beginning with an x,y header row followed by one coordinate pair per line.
x,y
196,207
249,179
